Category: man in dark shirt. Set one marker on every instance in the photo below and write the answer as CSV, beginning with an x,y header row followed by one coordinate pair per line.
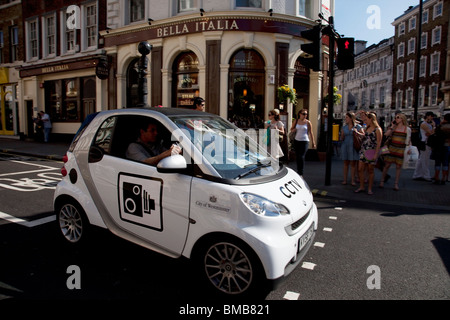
x,y
148,148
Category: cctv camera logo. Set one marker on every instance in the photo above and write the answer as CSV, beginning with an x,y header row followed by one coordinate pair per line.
x,y
139,200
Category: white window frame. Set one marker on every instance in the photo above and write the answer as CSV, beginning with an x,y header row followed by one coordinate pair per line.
x,y
46,36
400,72
436,35
64,31
421,101
411,45
437,10
409,97
410,70
399,99
423,66
84,26
434,94
29,40
435,62
424,38
401,29
401,50
425,16
412,23
192,6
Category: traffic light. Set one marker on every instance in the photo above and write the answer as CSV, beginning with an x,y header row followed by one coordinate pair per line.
x,y
346,53
314,49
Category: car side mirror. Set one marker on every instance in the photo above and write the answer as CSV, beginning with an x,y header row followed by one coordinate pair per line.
x,y
172,164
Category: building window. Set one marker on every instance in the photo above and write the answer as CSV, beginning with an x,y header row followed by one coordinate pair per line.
x,y
382,95
421,96
401,29
434,94
436,35
186,5
398,99
425,16
412,45
91,26
423,66
437,10
409,98
412,24
401,50
68,41
186,86
410,70
246,89
249,3
400,71
424,40
14,46
49,36
137,10
434,63
304,8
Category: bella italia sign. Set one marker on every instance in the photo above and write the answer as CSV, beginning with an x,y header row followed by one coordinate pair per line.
x,y
198,26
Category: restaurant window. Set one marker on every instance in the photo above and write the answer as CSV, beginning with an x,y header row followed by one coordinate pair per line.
x,y
246,89
132,83
185,87
64,99
136,10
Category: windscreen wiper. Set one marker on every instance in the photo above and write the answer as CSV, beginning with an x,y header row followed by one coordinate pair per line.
x,y
259,166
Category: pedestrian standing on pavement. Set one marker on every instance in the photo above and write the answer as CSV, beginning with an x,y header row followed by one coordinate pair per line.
x,y
47,125
39,128
274,127
400,138
348,153
303,133
422,170
370,149
441,151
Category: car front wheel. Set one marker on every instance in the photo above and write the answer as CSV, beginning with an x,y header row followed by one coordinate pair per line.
x,y
231,267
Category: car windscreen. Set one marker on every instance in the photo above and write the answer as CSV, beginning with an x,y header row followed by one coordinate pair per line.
x,y
233,153
82,128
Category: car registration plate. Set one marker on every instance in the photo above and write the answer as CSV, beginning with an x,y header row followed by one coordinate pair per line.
x,y
304,239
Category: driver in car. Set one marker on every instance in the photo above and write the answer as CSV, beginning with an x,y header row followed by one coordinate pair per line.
x,y
148,148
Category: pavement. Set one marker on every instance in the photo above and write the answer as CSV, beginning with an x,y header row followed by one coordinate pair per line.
x,y
412,193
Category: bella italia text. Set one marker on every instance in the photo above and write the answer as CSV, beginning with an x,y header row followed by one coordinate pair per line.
x,y
210,25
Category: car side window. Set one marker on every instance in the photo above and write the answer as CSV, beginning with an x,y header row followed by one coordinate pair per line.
x,y
104,134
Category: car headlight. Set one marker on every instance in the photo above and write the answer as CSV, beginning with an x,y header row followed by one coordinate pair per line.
x,y
263,206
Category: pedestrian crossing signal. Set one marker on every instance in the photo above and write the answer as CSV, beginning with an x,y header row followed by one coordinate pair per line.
x,y
346,53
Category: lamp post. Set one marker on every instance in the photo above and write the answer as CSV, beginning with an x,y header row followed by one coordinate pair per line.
x,y
144,49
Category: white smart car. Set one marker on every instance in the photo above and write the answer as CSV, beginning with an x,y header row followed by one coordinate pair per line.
x,y
223,202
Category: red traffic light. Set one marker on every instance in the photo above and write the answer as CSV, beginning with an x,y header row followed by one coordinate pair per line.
x,y
346,53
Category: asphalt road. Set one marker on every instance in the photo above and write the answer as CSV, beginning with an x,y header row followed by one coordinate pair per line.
x,y
361,252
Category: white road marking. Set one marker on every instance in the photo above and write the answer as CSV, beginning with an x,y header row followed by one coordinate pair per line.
x,y
29,224
308,265
332,218
328,229
319,244
291,295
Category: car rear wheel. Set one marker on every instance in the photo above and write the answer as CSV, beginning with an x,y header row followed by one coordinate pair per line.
x,y
72,222
231,267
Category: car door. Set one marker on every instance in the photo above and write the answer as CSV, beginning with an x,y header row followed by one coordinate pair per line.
x,y
138,199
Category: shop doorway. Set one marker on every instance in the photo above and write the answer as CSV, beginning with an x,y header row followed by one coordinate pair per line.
x,y
186,86
8,109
